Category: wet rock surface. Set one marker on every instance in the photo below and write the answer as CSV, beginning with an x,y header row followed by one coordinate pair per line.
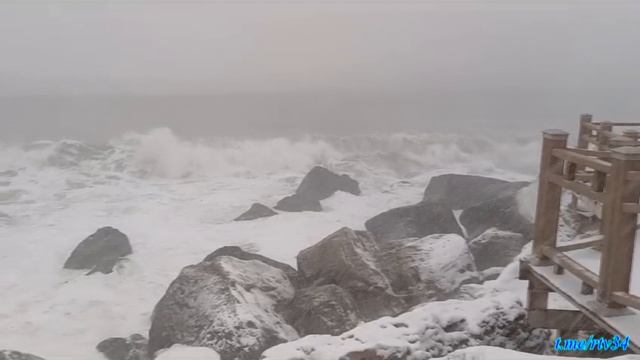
x,y
100,251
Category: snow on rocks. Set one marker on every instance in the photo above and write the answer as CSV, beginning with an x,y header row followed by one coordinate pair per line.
x,y
431,330
182,352
100,251
496,248
349,259
326,309
227,304
419,220
428,268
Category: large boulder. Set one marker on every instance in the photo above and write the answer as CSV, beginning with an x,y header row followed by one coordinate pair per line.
x,y
256,211
16,355
321,183
349,259
496,248
226,304
100,251
326,309
238,253
501,213
414,221
462,191
298,203
132,348
429,268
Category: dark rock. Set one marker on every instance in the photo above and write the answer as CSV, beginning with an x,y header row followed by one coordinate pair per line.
x,y
15,355
327,309
430,268
8,173
495,248
414,221
297,203
500,213
238,253
463,191
100,251
132,348
349,259
226,304
321,183
255,212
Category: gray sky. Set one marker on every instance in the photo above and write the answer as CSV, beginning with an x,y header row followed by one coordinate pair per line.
x,y
92,69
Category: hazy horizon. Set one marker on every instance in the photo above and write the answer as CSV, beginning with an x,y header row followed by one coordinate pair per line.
x,y
92,70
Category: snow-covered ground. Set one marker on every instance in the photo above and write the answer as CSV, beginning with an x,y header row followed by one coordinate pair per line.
x,y
175,199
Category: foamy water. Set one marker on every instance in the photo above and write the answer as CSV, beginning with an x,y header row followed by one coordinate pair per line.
x,y
175,199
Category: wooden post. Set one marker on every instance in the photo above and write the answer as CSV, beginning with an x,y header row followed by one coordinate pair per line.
x,y
584,132
603,137
549,194
583,143
620,229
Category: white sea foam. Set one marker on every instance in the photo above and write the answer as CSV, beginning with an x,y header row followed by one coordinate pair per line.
x,y
175,199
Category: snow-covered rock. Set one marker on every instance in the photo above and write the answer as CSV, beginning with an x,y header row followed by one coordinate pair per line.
x,y
462,191
226,304
238,253
349,259
431,330
427,268
496,248
256,211
414,221
182,352
16,355
100,251
326,309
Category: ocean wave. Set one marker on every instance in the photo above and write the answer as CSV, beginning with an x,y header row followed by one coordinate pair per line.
x,y
161,153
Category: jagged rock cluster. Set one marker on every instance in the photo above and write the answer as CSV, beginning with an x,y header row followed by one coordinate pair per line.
x,y
241,304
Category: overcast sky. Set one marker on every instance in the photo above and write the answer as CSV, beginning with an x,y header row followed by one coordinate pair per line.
x,y
96,68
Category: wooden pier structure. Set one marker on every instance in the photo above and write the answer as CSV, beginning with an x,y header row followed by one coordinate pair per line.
x,y
594,274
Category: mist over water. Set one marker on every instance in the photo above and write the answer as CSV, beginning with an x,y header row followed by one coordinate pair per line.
x,y
94,70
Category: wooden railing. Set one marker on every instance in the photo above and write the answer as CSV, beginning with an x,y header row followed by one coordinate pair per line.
x,y
610,178
602,135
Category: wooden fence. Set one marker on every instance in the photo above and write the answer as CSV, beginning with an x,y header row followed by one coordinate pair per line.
x,y
606,173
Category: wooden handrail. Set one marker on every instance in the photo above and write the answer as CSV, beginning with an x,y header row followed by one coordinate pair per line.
x,y
580,244
588,161
576,187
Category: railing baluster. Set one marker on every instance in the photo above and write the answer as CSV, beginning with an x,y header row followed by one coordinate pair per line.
x,y
549,194
619,227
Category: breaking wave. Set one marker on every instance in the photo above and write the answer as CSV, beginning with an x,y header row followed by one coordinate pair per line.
x,y
161,153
